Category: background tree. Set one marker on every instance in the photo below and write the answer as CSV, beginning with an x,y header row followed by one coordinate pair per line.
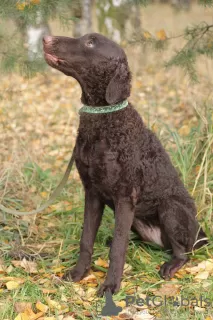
x,y
120,20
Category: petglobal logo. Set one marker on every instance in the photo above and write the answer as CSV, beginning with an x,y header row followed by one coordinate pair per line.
x,y
110,308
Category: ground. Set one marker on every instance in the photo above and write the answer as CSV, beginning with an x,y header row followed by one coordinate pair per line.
x,y
39,120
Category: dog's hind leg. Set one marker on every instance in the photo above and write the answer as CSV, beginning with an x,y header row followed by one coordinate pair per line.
x,y
147,232
178,221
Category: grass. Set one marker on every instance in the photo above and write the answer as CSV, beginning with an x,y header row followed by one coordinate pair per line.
x,y
192,156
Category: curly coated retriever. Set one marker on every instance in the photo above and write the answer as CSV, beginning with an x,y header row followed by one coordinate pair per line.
x,y
121,163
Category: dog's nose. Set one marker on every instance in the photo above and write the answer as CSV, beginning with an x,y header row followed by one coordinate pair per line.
x,y
47,39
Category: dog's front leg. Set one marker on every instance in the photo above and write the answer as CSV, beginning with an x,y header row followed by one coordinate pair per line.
x,y
92,218
124,214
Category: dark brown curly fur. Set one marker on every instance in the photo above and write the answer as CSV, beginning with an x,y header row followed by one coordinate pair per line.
x,y
121,163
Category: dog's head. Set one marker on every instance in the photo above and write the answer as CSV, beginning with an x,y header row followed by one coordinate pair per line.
x,y
97,63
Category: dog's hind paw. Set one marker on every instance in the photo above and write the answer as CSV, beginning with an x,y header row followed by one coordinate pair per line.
x,y
168,269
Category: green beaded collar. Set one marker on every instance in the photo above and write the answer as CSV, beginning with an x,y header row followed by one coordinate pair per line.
x,y
104,109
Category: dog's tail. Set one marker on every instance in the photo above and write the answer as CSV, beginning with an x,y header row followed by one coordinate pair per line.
x,y
201,240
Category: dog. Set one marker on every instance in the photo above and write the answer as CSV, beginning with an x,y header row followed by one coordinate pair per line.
x,y
122,164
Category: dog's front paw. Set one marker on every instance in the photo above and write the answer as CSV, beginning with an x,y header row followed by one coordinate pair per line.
x,y
108,286
76,274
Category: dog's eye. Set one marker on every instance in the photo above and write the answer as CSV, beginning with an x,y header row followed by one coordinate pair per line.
x,y
90,43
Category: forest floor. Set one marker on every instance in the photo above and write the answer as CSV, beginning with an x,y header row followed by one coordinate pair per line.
x,y
38,127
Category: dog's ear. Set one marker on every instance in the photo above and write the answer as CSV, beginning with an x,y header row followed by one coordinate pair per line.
x,y
119,86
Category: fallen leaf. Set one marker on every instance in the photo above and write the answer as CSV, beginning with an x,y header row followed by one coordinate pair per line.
x,y
11,285
202,275
206,265
22,306
99,274
37,316
9,269
89,279
184,130
41,307
47,318
121,303
48,291
127,313
143,315
53,304
102,263
90,293
58,269
127,268
198,309
30,314
168,289
28,266
22,316
78,289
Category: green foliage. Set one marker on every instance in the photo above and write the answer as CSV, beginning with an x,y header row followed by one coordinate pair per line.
x,y
139,2
20,14
198,42
206,3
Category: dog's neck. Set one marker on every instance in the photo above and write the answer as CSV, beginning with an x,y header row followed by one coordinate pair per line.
x,y
94,95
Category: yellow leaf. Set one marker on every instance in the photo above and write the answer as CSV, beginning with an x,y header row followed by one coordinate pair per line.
x,y
99,274
92,285
91,292
9,269
35,1
37,316
161,34
11,285
202,275
41,307
147,35
22,316
121,303
89,279
48,291
130,291
53,304
184,130
102,263
20,6
30,314
127,268
58,269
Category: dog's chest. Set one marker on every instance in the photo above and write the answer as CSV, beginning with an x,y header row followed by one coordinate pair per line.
x,y
98,164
